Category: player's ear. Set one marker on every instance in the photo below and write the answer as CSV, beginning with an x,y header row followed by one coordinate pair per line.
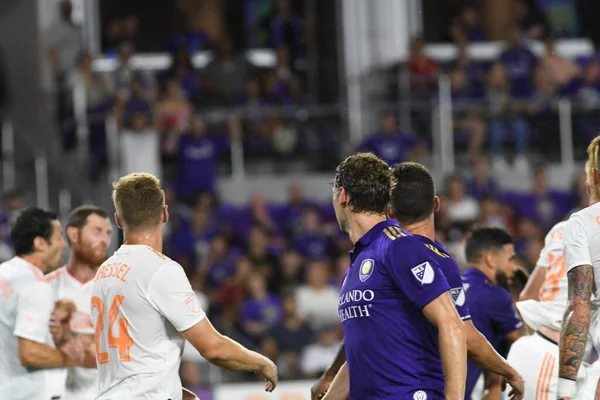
x,y
436,204
118,221
390,212
72,234
489,258
165,214
39,244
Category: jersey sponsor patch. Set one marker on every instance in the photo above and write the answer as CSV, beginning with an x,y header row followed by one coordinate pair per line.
x,y
424,273
366,269
458,296
420,395
193,304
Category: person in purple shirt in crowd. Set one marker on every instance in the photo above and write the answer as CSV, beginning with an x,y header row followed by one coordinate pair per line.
x,y
482,185
490,254
543,205
287,29
290,213
390,144
219,263
261,311
392,301
311,241
183,70
519,62
466,26
260,213
413,203
198,157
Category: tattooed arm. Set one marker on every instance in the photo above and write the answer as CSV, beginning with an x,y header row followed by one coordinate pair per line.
x,y
575,328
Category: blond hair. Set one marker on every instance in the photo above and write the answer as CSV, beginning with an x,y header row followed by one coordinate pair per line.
x,y
139,200
592,162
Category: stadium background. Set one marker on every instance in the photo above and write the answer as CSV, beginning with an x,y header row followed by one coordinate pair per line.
x,y
245,107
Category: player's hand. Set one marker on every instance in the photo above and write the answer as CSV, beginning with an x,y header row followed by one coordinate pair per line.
x,y
75,349
59,320
319,389
517,384
269,372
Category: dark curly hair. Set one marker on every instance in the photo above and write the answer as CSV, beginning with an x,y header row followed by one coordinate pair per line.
x,y
367,179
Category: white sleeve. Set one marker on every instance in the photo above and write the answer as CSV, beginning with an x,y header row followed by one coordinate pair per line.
x,y
544,261
35,304
171,294
576,248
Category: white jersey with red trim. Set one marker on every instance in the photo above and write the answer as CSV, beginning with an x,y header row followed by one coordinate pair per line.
x,y
141,302
549,310
25,307
82,383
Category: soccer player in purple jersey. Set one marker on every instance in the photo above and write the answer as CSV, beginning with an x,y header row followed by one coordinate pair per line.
x,y
490,254
413,203
393,299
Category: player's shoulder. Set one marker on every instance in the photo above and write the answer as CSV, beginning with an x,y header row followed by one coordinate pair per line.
x,y
54,276
587,215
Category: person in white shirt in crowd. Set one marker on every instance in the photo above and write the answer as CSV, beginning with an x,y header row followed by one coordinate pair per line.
x,y
88,233
31,367
317,300
140,138
316,357
144,308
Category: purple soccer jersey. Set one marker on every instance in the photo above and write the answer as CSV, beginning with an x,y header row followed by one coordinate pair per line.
x,y
392,350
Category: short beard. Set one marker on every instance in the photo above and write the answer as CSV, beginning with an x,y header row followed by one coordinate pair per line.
x,y
502,280
88,256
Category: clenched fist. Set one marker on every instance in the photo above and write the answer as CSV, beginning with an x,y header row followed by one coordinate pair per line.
x,y
59,320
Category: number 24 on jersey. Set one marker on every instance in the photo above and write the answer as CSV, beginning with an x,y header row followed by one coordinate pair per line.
x,y
122,341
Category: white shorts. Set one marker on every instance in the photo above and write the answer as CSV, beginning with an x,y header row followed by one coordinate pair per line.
x,y
536,358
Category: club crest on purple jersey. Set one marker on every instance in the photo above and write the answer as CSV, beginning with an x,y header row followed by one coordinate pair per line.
x,y
366,269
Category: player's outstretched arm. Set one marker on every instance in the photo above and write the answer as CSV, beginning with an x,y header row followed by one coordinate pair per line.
x,y
575,328
483,354
319,389
39,355
453,345
340,386
227,353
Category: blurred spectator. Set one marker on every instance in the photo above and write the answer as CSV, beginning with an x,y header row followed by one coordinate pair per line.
x,y
530,20
233,290
317,301
461,208
466,26
519,62
174,110
287,29
317,357
545,97
183,71
198,154
423,70
65,42
341,268
589,93
491,213
140,138
124,76
390,144
482,184
581,198
263,260
559,70
226,75
291,271
219,265
503,121
544,206
259,213
312,242
467,117
290,336
262,310
291,211
96,86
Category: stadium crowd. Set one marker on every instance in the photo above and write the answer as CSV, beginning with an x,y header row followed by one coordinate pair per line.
x,y
270,273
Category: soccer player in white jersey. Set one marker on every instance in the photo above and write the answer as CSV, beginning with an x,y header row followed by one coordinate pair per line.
x,y
31,367
88,232
582,259
143,308
542,305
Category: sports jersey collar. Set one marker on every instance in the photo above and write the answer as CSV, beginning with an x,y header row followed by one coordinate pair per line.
x,y
476,273
375,231
435,243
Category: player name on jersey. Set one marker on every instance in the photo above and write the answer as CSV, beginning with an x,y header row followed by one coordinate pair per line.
x,y
113,270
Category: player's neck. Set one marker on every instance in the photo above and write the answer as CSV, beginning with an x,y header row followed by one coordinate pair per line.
x,y
153,239
422,228
81,271
35,260
360,224
488,274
